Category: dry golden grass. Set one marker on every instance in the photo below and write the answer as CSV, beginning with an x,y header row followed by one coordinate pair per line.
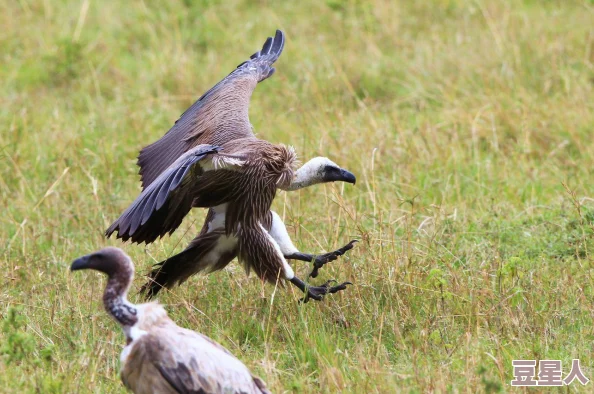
x,y
468,123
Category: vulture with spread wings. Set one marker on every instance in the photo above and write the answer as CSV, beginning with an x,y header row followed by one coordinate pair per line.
x,y
211,159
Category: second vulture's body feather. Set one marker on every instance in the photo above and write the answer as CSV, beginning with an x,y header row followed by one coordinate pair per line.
x,y
153,363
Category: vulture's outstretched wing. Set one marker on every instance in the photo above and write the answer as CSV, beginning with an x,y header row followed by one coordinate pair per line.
x,y
219,116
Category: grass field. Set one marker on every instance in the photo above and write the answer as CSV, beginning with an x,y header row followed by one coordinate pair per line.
x,y
468,124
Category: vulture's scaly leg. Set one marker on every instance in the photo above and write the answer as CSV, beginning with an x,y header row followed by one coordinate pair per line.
x,y
317,292
278,231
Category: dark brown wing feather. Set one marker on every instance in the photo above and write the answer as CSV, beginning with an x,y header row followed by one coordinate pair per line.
x,y
182,379
160,208
220,115
217,187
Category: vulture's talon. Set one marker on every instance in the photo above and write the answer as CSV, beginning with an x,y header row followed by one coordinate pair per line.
x,y
323,259
340,287
318,292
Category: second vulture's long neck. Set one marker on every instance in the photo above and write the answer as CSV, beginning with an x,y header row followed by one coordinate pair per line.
x,y
115,301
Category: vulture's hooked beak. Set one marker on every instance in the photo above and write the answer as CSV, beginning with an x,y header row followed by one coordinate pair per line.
x,y
337,174
80,263
347,176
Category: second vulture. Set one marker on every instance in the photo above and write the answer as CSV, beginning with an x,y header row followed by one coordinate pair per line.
x,y
161,357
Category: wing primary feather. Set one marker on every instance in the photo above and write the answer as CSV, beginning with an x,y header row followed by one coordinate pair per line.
x,y
136,216
124,223
279,43
266,47
163,193
149,208
152,204
180,174
272,48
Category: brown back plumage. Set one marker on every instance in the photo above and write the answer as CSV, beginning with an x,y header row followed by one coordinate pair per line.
x,y
267,168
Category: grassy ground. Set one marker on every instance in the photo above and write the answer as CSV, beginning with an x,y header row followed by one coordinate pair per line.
x,y
468,123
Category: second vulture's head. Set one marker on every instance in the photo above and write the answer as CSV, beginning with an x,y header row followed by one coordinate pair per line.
x,y
111,261
320,170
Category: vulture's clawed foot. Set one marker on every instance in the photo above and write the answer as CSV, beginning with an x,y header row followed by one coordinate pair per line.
x,y
318,292
325,258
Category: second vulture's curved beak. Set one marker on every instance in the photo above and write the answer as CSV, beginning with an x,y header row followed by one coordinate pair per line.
x,y
80,263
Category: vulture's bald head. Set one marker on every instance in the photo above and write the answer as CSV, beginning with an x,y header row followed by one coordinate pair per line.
x,y
111,261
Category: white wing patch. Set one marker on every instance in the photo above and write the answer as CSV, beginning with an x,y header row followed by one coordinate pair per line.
x,y
224,245
218,221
